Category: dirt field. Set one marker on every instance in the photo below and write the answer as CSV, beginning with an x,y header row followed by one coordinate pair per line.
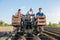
x,y
10,28
53,29
5,29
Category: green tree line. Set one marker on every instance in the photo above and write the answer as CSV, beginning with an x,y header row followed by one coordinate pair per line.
x,y
53,24
49,24
4,24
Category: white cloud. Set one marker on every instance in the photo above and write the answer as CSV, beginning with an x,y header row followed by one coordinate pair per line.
x,y
54,15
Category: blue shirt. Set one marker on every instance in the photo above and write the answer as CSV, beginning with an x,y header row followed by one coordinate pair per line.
x,y
39,14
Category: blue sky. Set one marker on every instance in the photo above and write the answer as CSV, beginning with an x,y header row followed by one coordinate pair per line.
x,y
51,8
